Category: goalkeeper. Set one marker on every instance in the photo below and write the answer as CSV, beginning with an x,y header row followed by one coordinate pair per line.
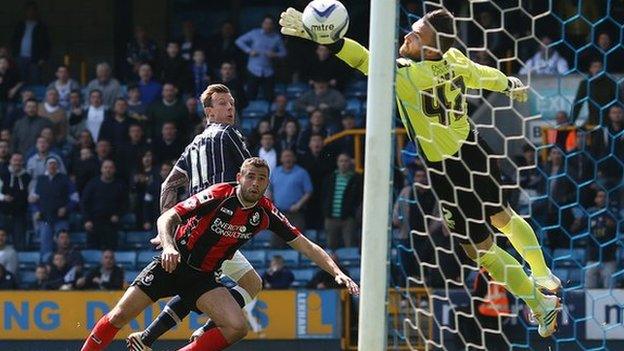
x,y
431,79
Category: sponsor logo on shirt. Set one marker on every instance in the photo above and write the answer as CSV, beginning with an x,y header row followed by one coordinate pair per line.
x,y
226,211
230,230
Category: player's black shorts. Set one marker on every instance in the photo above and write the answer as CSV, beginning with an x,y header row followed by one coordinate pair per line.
x,y
185,281
468,188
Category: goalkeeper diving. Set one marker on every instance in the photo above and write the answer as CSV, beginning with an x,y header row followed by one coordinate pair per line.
x,y
431,81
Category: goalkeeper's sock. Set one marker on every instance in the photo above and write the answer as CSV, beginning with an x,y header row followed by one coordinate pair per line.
x,y
524,240
172,314
507,270
101,335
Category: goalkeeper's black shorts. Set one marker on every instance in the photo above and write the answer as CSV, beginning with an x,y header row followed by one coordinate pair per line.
x,y
468,186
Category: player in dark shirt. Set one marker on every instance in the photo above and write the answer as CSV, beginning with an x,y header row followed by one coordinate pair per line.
x,y
197,235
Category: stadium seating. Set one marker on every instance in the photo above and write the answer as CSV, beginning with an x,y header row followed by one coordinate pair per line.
x,y
295,90
137,239
354,106
356,89
257,258
129,275
91,257
255,110
291,257
303,276
126,259
144,258
28,259
79,239
349,256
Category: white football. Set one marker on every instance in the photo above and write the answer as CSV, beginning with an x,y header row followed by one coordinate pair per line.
x,y
326,21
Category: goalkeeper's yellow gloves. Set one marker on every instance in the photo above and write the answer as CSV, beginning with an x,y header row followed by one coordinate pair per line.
x,y
292,25
516,90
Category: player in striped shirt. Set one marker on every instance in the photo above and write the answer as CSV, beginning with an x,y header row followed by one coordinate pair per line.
x,y
214,156
431,80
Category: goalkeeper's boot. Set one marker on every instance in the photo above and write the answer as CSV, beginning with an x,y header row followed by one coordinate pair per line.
x,y
135,343
549,282
547,317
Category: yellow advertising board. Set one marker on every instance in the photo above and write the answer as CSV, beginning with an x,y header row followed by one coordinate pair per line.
x,y
69,315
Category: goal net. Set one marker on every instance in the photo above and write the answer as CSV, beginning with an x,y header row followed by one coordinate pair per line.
x,y
561,156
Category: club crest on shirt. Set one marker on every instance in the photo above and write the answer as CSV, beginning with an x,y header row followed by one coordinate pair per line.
x,y
190,203
255,219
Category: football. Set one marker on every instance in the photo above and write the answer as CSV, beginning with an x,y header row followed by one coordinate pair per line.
x,y
326,21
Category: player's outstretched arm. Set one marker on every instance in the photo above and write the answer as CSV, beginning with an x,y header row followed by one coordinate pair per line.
x,y
322,259
167,223
489,78
348,50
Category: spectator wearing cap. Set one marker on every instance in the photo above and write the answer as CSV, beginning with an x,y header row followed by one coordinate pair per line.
x,y
104,82
14,200
36,164
53,198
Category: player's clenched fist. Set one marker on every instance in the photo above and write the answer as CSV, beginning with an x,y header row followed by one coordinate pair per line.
x,y
352,287
169,259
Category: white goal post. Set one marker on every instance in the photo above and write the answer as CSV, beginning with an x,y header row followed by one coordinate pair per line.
x,y
372,329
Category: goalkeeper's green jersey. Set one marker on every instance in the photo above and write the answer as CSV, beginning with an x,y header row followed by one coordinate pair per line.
x,y
430,96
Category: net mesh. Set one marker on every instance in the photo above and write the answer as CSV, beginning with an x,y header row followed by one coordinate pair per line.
x,y
561,156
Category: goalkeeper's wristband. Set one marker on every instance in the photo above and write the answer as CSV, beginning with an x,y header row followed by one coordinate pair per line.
x,y
335,48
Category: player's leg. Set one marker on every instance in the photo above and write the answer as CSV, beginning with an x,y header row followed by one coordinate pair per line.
x,y
228,317
173,313
248,281
486,183
505,269
524,240
131,304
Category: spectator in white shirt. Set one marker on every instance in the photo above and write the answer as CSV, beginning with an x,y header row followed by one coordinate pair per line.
x,y
64,85
546,61
8,256
90,118
267,150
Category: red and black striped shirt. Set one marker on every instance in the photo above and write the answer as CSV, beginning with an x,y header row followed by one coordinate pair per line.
x,y
215,225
